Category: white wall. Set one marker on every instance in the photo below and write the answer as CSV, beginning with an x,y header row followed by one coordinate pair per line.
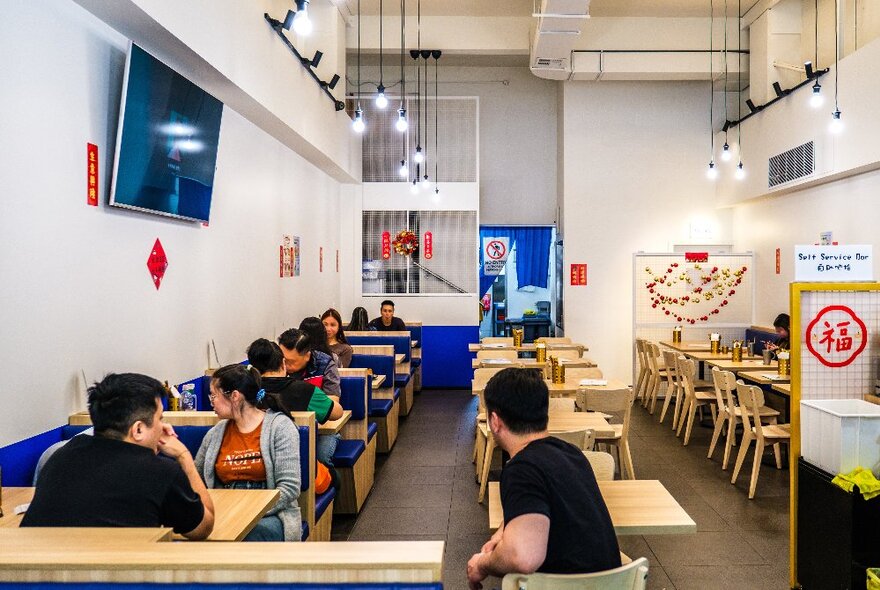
x,y
635,161
517,142
850,208
76,292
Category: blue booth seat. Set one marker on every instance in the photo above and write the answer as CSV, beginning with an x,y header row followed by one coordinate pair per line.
x,y
401,375
372,429
380,408
324,501
348,452
355,457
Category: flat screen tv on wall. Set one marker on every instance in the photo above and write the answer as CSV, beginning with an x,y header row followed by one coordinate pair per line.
x,y
166,146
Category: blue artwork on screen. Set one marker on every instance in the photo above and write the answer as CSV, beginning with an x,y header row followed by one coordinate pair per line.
x,y
167,142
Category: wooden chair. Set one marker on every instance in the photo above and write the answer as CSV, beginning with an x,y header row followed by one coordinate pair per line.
x,y
497,340
632,576
730,412
673,389
602,464
658,375
752,400
694,398
561,404
575,374
556,340
644,373
617,401
584,439
497,354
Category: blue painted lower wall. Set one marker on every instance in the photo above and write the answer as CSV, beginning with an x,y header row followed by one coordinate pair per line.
x,y
446,361
19,460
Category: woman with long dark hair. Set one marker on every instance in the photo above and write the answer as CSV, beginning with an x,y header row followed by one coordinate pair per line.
x,y
360,320
336,337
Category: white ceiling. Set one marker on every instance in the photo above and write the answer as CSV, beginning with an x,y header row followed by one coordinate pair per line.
x,y
598,8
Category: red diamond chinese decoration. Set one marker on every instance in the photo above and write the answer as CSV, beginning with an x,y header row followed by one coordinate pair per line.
x,y
157,263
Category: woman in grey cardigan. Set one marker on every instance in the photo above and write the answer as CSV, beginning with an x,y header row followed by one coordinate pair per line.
x,y
253,447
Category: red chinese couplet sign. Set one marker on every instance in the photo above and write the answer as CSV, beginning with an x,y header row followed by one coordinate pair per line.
x,y
92,174
386,245
337,261
778,261
157,263
696,257
578,275
321,259
836,336
428,251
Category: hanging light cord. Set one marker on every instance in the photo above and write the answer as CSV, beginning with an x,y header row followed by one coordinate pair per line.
x,y
739,68
436,126
359,54
711,79
381,79
402,44
836,52
726,118
816,59
427,130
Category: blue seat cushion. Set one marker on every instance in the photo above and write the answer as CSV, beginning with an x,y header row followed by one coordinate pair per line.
x,y
415,363
396,393
401,380
380,407
372,429
348,452
305,530
323,501
303,455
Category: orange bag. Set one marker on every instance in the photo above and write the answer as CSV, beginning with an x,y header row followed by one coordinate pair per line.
x,y
323,479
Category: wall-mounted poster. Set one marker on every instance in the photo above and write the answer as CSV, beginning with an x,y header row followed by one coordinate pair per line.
x,y
321,259
286,260
296,256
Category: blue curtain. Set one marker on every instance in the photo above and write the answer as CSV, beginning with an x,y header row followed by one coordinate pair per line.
x,y
532,253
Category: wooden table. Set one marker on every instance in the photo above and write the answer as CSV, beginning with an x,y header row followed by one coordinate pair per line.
x,y
181,418
688,346
405,563
530,347
378,380
637,507
726,364
528,363
334,426
236,511
47,538
569,388
763,377
398,358
567,421
783,388
611,385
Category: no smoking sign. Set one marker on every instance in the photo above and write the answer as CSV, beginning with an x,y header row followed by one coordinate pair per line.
x,y
495,252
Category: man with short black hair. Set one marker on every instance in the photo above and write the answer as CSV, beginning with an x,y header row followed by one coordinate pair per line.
x,y
116,478
387,322
555,520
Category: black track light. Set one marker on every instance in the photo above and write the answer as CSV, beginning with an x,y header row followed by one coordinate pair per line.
x,y
751,105
778,89
332,83
314,61
808,68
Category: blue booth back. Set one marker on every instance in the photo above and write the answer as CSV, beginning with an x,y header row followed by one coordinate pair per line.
x,y
381,365
352,397
402,344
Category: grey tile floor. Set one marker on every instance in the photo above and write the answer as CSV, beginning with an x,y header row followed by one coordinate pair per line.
x,y
425,490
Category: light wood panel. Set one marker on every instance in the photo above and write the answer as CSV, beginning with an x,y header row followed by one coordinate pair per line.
x,y
726,364
530,347
687,346
763,377
313,563
47,538
528,363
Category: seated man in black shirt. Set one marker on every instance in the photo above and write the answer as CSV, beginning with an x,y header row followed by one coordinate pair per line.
x,y
116,478
387,322
555,520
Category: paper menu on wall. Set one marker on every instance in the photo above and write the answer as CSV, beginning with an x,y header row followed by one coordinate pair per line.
x,y
593,382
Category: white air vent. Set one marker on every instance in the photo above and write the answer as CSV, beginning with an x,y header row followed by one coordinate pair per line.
x,y
550,63
791,165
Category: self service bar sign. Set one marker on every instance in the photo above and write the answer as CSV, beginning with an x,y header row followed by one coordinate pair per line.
x,y
834,263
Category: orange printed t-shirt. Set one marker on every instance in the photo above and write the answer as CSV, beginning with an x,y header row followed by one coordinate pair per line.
x,y
240,457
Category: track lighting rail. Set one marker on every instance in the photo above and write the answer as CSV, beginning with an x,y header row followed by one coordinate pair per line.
x,y
278,27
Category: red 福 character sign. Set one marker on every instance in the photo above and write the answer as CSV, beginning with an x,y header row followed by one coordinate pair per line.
x,y
836,336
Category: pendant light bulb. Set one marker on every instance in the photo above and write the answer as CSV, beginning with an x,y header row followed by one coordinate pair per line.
x,y
425,182
402,124
302,24
712,172
726,154
381,99
359,124
404,169
414,187
740,171
419,157
836,124
817,99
